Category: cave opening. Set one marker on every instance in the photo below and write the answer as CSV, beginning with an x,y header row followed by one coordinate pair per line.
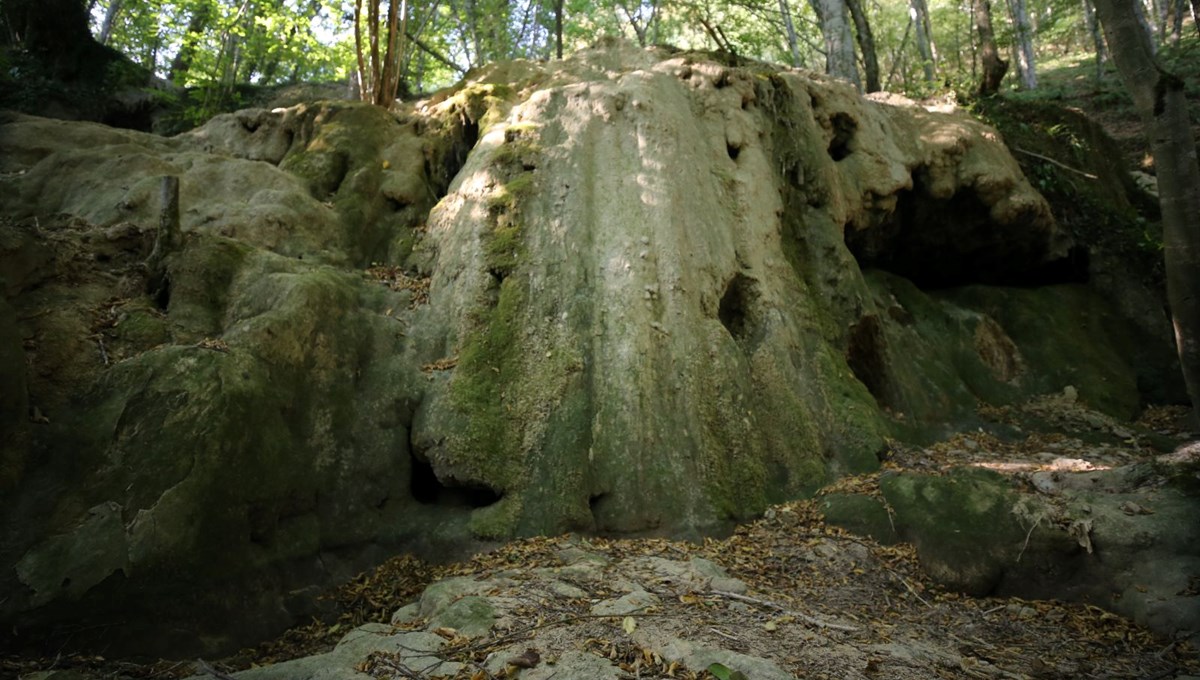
x,y
844,128
428,489
737,306
950,242
465,138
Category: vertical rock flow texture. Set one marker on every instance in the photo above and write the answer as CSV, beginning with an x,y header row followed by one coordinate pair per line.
x,y
631,291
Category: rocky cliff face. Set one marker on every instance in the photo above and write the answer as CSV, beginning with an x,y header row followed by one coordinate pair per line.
x,y
630,291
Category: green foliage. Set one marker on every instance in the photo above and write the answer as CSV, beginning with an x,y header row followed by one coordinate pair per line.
x,y
217,46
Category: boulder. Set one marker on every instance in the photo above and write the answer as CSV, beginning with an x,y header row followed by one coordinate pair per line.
x,y
629,291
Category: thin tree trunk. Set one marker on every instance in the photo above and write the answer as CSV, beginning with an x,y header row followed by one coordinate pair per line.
x,y
1160,99
918,11
114,8
898,57
434,53
1159,8
558,29
182,63
866,44
389,78
790,28
992,65
839,44
1177,10
1024,38
1140,10
1093,27
363,86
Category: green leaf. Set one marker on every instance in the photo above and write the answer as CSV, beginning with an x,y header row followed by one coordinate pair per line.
x,y
723,672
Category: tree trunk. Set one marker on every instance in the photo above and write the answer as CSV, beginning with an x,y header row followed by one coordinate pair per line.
x,y
866,44
182,63
1024,44
1160,99
992,65
1144,22
1177,10
918,11
558,29
56,33
1089,18
839,43
114,8
789,27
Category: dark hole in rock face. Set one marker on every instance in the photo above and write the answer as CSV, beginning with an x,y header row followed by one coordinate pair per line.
x,y
427,489
865,356
596,507
943,243
733,151
736,311
844,128
455,158
162,297
138,117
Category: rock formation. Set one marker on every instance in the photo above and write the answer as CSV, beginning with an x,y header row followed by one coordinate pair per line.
x,y
631,291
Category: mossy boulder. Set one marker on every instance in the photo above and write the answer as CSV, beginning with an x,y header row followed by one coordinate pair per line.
x,y
629,291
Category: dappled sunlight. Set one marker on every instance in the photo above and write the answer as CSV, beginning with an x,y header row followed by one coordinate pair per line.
x,y
1056,465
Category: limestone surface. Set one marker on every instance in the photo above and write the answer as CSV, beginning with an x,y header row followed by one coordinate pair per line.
x,y
629,291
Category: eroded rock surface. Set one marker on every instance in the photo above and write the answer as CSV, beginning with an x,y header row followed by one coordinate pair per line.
x,y
623,292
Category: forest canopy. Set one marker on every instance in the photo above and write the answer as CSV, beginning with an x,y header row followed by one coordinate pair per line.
x,y
916,47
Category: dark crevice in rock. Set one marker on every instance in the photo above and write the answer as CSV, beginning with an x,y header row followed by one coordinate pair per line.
x,y
733,151
428,489
467,137
736,311
949,242
844,128
138,116
866,358
596,505
162,295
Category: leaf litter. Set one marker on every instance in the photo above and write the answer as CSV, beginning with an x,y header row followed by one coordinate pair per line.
x,y
809,599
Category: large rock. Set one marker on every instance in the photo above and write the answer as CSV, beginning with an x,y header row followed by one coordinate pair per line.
x,y
620,292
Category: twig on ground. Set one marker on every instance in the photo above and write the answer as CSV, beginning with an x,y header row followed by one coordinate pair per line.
x,y
1051,160
771,605
726,635
1036,522
912,590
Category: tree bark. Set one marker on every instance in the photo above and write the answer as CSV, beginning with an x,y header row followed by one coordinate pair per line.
x,y
1160,99
1024,36
558,29
839,44
789,27
110,16
918,11
182,62
993,66
866,44
1089,18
